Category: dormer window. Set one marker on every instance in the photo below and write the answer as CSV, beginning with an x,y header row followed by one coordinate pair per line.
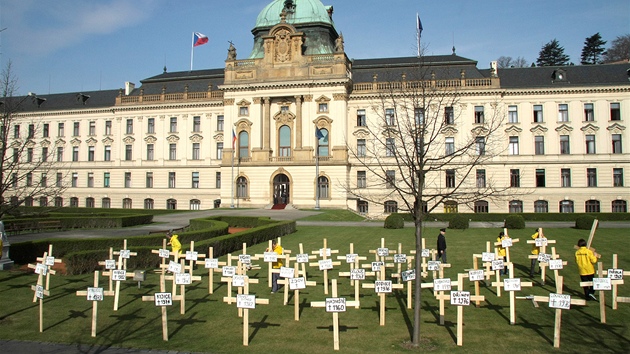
x,y
559,75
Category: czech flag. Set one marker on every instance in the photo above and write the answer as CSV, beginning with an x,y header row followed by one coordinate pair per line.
x,y
199,39
233,138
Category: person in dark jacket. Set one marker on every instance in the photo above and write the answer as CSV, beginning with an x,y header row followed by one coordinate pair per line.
x,y
441,246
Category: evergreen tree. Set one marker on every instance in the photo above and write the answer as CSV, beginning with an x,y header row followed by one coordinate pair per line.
x,y
619,49
593,50
552,54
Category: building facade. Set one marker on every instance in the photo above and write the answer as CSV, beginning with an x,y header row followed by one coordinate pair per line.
x,y
288,125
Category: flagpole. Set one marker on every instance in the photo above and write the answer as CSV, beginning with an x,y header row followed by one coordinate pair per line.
x,y
232,179
418,32
316,173
192,52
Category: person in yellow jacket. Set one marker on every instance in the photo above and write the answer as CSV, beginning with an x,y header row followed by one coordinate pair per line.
x,y
275,247
585,258
173,241
501,250
535,251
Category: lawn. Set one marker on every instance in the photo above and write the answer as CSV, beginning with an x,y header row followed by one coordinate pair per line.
x,y
210,325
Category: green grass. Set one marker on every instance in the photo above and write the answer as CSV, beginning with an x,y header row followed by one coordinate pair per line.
x,y
333,215
210,325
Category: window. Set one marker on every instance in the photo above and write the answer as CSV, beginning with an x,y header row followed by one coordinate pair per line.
x,y
481,178
538,113
450,178
89,202
362,206
591,206
31,131
90,180
589,114
172,151
173,125
108,127
241,187
513,145
390,179
591,177
16,131
196,124
564,145
44,154
105,179
195,204
46,130
75,179
29,179
43,180
450,206
515,206
151,125
449,115
149,203
58,202
243,111
418,114
284,141
539,145
16,154
243,144
540,177
361,179
323,187
43,201
390,147
217,180
127,179
220,122
171,180
389,116
59,180
449,145
481,206
590,144
74,202
195,180
14,180
565,177
150,152
75,153
29,154
219,151
128,152
390,206
75,129
563,113
90,153
361,147
616,144
619,206
106,203
129,129
107,153
195,151
127,203
480,143
322,143
479,114
541,206
322,108
28,201
618,177
60,129
149,180
512,114
361,119
615,111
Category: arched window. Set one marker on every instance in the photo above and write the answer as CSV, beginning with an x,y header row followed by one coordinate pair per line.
x,y
195,204
127,203
89,202
43,201
591,206
106,203
450,206
566,206
58,202
28,201
243,144
481,206
391,206
149,203
322,187
171,204
74,202
322,143
284,141
362,206
541,206
516,206
619,206
241,187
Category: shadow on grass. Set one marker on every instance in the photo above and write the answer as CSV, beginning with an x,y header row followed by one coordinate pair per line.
x,y
497,309
258,325
536,328
204,300
72,314
402,304
181,323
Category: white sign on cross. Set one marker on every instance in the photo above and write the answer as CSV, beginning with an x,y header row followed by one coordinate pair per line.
x,y
335,305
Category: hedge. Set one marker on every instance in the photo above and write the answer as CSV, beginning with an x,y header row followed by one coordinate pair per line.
x,y
526,216
84,222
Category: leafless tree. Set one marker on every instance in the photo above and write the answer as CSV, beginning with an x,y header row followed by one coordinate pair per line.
x,y
509,62
27,170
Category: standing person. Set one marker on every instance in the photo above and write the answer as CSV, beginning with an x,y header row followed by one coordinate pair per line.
x,y
535,251
441,246
584,258
502,253
275,247
173,241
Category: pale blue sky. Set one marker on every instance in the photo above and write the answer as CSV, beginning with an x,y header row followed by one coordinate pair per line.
x,y
85,45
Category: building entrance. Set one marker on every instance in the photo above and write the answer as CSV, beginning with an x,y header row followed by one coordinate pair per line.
x,y
281,185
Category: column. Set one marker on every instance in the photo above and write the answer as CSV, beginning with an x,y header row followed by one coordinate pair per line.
x,y
298,122
266,123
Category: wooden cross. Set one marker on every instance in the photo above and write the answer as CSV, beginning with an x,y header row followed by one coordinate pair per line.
x,y
357,274
559,302
325,263
228,271
512,285
302,259
352,259
125,254
425,254
212,265
245,302
295,283
335,305
442,284
40,290
270,257
182,279
399,258
382,287
118,275
590,239
615,274
476,275
109,264
164,254
381,252
94,294
541,242
507,244
407,276
162,299
193,256
602,294
47,261
461,298
555,263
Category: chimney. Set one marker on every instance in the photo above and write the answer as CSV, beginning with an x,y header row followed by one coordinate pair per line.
x,y
494,67
129,86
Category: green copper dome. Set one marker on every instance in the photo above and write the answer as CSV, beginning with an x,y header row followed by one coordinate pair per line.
x,y
304,11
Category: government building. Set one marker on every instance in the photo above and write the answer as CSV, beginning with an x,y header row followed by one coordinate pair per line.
x,y
296,123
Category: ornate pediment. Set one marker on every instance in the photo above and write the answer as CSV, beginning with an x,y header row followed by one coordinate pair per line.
x,y
75,142
243,124
30,144
128,140
218,137
538,129
361,133
91,142
322,121
60,142
284,117
172,139
480,131
449,130
513,129
45,143
564,129
196,138
107,141
322,99
243,103
16,144
150,139
616,128
589,129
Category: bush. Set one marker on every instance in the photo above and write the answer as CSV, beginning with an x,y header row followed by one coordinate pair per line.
x,y
459,221
514,222
584,222
394,221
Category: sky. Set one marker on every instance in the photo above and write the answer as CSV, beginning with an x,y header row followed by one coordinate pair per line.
x,y
87,45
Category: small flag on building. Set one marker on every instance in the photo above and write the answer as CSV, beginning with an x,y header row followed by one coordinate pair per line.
x,y
233,138
199,39
418,31
318,133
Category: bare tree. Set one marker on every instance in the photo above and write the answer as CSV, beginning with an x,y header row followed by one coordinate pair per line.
x,y
26,169
509,62
422,154
619,50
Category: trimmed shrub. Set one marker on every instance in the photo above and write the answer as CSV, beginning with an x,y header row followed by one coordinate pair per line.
x,y
394,221
584,222
514,222
459,221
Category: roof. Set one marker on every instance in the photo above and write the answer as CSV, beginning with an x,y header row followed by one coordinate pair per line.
x,y
576,75
304,11
68,101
